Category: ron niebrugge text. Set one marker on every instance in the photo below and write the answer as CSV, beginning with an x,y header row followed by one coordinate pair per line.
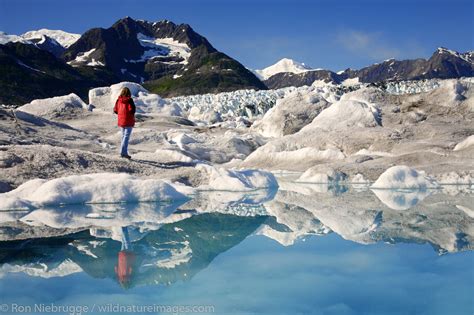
x,y
104,308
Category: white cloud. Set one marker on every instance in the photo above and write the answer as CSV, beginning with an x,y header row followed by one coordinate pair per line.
x,y
367,44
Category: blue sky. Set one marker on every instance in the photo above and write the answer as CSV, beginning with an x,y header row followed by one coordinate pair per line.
x,y
323,34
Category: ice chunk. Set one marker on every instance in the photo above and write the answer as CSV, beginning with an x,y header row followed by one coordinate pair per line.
x,y
93,188
291,113
345,114
404,177
318,174
209,116
401,200
359,182
234,180
469,141
55,107
115,90
104,98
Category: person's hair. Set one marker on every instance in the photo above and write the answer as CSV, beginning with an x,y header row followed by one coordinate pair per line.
x,y
125,92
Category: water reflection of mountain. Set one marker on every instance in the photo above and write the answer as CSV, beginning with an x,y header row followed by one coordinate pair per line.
x,y
176,251
172,242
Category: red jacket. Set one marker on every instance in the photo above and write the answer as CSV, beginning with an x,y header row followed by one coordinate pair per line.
x,y
125,109
125,268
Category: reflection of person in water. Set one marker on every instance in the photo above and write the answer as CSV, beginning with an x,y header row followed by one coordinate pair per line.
x,y
126,261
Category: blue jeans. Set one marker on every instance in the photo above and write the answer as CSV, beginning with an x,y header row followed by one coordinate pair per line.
x,y
125,239
126,132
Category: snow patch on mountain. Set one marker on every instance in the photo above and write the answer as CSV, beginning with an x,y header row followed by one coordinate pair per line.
x,y
178,256
159,47
86,58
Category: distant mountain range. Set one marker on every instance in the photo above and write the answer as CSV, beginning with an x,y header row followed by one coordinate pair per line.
x,y
171,60
443,64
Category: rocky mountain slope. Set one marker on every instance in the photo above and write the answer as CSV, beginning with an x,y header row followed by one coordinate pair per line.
x,y
27,73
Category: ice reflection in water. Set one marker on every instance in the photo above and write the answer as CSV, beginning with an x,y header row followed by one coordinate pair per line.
x,y
147,244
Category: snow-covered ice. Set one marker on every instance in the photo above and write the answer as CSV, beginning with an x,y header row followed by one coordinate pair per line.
x,y
318,175
286,118
93,188
237,180
468,142
56,108
346,114
104,98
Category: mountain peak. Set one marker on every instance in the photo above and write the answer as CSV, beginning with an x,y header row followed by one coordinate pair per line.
x,y
65,39
467,56
443,50
283,65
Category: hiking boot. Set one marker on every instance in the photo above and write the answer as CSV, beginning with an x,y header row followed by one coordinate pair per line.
x,y
126,156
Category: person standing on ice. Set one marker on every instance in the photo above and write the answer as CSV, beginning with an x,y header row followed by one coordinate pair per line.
x,y
125,109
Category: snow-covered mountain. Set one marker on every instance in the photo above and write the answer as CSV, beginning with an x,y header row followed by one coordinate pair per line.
x,y
284,65
53,41
7,38
63,38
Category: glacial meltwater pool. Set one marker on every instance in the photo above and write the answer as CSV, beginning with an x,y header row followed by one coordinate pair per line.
x,y
305,249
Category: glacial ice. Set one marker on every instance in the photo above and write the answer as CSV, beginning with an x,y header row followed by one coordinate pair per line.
x,y
236,180
92,188
55,107
404,177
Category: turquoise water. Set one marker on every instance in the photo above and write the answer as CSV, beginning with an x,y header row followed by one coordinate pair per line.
x,y
318,253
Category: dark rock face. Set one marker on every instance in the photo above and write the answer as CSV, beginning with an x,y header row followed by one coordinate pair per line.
x,y
49,44
27,72
443,64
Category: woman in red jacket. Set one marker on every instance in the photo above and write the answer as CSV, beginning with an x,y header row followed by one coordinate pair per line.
x,y
125,109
